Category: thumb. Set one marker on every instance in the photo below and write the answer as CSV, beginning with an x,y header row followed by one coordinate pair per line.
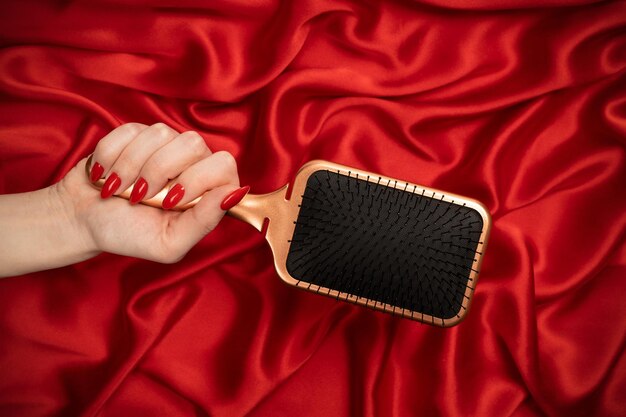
x,y
195,223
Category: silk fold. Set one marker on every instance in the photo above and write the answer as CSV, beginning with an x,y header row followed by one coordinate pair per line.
x,y
518,104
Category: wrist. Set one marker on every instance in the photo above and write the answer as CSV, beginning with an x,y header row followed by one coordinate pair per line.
x,y
70,221
41,231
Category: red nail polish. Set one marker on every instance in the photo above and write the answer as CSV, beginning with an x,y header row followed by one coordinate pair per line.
x,y
96,172
139,191
234,198
172,198
110,185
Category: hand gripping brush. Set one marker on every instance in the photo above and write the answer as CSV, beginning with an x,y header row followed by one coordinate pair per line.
x,y
371,240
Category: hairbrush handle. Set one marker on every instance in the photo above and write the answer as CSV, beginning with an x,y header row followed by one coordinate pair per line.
x,y
252,209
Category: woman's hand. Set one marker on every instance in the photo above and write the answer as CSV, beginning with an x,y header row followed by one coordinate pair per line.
x,y
150,156
72,221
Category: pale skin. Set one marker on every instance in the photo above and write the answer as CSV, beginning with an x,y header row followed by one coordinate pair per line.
x,y
69,221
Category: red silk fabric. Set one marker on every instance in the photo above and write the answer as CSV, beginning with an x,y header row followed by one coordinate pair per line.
x,y
521,105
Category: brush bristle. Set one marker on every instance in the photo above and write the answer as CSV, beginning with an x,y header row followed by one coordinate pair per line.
x,y
385,241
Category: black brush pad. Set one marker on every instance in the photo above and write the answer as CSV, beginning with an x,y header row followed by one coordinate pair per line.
x,y
386,241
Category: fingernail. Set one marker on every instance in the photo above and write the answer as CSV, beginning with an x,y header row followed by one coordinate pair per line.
x,y
234,198
172,198
96,172
110,185
139,191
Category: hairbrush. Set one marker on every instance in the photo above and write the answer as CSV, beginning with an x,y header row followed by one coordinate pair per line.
x,y
371,240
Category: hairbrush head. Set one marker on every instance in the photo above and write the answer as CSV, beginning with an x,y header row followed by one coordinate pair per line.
x,y
372,240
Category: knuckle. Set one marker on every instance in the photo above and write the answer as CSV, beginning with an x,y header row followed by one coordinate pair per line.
x,y
105,150
228,160
107,147
131,129
159,126
160,129
195,141
127,130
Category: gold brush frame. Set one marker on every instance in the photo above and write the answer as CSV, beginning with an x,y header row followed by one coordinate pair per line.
x,y
281,214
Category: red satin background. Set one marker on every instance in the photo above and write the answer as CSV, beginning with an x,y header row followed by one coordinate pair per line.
x,y
521,105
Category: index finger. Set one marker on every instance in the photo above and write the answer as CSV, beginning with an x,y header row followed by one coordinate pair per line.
x,y
111,146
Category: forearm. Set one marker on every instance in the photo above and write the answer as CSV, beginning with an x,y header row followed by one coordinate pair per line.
x,y
39,231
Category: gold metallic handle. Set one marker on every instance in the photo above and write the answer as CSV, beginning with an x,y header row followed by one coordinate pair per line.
x,y
252,209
